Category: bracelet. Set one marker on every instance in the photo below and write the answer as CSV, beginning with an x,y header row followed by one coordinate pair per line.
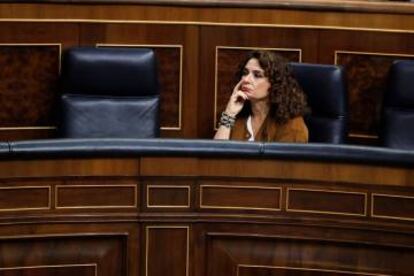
x,y
226,120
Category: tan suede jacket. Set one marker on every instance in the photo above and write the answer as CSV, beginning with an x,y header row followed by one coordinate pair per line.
x,y
293,131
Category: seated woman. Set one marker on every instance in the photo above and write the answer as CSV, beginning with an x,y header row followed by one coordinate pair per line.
x,y
266,105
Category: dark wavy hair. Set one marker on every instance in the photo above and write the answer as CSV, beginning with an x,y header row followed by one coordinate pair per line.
x,y
286,96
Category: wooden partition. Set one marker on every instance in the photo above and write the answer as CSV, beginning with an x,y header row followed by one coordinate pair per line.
x,y
199,44
194,216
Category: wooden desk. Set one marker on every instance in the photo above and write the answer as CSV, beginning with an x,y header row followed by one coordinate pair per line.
x,y
152,215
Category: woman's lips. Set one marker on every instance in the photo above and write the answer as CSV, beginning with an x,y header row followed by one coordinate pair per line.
x,y
246,89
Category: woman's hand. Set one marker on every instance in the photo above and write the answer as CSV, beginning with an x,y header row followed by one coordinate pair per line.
x,y
234,106
236,101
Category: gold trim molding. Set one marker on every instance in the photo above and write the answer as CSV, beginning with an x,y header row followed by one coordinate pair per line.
x,y
94,265
206,23
307,269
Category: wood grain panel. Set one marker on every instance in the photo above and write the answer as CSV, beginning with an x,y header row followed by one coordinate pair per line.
x,y
170,72
167,250
191,75
246,197
313,171
366,56
144,241
28,88
96,196
168,196
393,206
336,18
91,33
326,201
39,32
17,133
70,167
367,75
90,255
169,166
266,255
28,84
25,198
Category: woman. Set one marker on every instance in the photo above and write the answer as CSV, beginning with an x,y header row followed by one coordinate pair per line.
x,y
266,105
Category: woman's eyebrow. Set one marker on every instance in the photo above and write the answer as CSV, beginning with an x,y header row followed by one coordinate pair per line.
x,y
258,71
246,69
254,70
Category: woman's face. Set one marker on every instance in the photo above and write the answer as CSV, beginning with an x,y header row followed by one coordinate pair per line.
x,y
254,83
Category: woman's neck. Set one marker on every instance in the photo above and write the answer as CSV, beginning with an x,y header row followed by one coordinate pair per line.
x,y
260,109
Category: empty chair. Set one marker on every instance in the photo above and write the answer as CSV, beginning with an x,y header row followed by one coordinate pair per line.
x,y
109,93
326,91
398,107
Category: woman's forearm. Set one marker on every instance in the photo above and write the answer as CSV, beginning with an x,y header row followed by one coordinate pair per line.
x,y
222,133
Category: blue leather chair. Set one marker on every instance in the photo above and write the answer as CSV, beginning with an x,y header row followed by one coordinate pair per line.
x,y
398,107
326,90
109,93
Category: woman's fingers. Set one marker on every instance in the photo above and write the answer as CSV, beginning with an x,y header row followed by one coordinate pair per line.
x,y
240,96
236,101
237,87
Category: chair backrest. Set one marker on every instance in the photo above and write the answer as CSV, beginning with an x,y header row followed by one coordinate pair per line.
x,y
398,107
326,91
109,92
